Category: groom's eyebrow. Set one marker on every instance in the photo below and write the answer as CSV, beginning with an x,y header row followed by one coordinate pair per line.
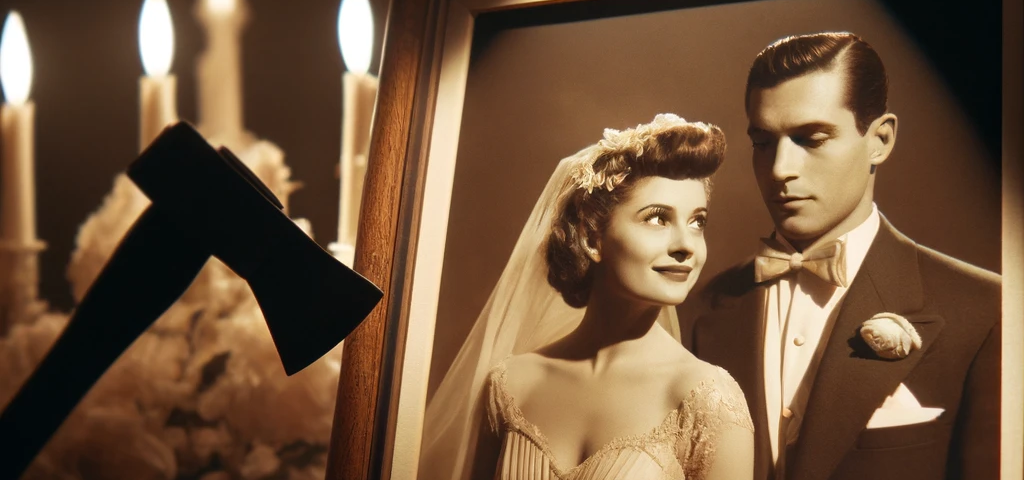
x,y
752,130
811,127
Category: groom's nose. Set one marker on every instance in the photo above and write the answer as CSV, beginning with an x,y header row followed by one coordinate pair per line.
x,y
786,164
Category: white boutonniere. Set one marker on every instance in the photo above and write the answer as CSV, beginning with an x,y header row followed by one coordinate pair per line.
x,y
890,336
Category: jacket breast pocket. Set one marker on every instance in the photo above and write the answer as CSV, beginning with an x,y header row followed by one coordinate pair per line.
x,y
903,436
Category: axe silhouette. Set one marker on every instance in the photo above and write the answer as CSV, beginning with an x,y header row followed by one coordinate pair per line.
x,y
203,203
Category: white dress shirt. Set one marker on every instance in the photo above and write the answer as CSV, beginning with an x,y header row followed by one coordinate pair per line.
x,y
800,309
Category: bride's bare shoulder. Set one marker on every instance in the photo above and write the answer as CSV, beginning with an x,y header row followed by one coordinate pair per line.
x,y
524,371
693,374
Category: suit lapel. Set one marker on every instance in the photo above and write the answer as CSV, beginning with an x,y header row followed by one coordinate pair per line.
x,y
732,336
851,381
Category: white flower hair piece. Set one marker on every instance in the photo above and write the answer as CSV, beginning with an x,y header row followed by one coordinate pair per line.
x,y
630,141
890,335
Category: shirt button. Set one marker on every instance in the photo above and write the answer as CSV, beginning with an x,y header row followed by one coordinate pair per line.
x,y
787,413
798,340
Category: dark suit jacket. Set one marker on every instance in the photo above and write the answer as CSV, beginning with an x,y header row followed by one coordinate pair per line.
x,y
955,307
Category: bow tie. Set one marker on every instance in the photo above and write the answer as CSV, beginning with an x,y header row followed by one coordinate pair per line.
x,y
828,262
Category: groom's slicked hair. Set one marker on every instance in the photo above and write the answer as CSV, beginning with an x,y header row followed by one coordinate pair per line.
x,y
867,86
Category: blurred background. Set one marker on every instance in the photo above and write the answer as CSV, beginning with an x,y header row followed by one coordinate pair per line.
x,y
201,394
85,88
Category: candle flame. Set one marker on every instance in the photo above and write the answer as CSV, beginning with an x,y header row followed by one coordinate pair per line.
x,y
156,37
15,60
221,6
355,34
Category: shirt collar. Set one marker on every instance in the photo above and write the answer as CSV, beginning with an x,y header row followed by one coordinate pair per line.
x,y
857,241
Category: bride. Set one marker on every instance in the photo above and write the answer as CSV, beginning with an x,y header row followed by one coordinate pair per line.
x,y
575,360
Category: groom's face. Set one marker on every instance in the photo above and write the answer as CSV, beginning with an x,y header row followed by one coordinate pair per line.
x,y
812,165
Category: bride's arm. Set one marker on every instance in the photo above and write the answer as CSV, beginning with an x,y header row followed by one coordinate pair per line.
x,y
734,459
488,447
488,438
721,441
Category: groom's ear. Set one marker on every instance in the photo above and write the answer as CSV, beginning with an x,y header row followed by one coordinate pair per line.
x,y
883,138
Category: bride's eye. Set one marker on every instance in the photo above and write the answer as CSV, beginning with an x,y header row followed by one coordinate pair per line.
x,y
656,216
699,222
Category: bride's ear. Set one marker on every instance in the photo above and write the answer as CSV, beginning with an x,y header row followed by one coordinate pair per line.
x,y
593,248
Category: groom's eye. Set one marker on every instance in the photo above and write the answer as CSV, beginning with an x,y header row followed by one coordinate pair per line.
x,y
813,141
760,143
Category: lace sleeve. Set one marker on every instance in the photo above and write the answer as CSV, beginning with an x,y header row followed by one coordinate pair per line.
x,y
496,399
733,406
717,405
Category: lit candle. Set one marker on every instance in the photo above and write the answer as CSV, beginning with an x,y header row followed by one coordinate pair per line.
x,y
157,89
218,69
18,113
355,37
19,247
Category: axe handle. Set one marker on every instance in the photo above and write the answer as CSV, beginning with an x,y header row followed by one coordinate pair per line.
x,y
150,269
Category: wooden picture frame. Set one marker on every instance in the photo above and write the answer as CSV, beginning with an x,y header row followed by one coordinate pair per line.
x,y
423,79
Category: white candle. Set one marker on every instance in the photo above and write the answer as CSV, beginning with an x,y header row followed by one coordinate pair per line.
x,y
355,36
19,247
157,89
218,69
17,200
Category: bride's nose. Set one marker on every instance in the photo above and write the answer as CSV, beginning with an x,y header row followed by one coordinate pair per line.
x,y
683,243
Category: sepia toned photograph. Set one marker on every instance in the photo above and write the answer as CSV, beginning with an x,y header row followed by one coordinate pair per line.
x,y
677,243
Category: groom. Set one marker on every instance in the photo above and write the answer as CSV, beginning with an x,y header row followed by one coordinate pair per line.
x,y
826,403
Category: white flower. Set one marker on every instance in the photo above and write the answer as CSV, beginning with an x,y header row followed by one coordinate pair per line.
x,y
890,336
261,462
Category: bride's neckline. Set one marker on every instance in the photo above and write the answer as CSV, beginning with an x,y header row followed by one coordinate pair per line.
x,y
669,425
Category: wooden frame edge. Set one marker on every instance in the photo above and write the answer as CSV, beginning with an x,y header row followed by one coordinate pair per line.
x,y
356,407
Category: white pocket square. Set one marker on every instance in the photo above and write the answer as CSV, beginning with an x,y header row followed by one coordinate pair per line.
x,y
902,408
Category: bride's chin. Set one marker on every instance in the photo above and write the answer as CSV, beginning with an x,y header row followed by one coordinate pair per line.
x,y
679,298
670,298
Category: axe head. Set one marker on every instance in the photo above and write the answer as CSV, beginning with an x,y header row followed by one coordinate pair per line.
x,y
310,300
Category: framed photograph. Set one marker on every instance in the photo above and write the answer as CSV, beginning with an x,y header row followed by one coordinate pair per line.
x,y
503,90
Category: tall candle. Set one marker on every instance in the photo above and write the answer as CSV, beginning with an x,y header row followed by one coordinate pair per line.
x,y
157,89
218,69
355,37
18,222
19,247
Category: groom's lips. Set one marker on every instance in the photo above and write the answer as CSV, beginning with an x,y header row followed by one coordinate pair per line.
x,y
675,272
790,201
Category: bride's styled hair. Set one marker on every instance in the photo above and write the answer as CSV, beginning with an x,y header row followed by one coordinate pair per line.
x,y
668,147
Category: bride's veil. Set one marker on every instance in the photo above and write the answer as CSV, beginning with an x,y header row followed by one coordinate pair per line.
x,y
522,314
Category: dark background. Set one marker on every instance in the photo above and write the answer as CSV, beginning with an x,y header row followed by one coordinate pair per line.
x,y
540,87
85,87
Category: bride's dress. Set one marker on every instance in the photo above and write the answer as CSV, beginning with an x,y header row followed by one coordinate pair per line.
x,y
681,447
